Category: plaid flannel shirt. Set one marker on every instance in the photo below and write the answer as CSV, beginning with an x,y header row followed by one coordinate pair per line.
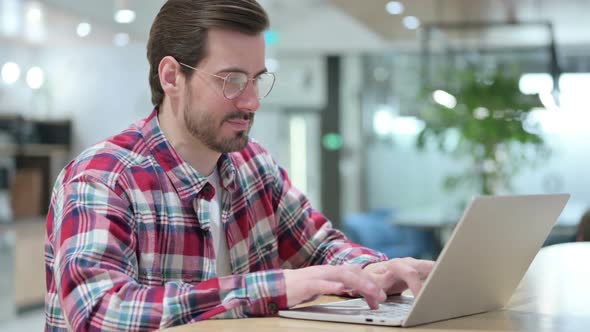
x,y
128,244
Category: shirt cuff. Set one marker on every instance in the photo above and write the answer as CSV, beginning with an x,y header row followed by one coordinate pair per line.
x,y
266,292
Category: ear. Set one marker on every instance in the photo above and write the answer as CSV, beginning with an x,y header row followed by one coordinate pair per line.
x,y
171,78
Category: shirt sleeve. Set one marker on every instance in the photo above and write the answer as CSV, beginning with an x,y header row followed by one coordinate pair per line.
x,y
95,270
306,237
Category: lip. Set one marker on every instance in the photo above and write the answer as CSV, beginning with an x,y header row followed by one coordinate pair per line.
x,y
238,124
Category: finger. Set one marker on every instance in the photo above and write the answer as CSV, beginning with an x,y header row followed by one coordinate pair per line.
x,y
384,279
426,267
355,278
411,277
423,266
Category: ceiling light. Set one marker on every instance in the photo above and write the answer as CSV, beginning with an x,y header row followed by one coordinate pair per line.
x,y
394,7
124,16
10,72
444,98
83,29
34,27
411,22
34,12
123,13
35,78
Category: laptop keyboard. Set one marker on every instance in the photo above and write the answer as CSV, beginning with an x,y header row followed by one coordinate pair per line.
x,y
390,310
393,308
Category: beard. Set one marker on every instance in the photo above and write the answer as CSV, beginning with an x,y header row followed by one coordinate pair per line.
x,y
206,128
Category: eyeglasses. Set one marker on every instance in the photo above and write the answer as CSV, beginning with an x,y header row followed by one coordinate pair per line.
x,y
234,83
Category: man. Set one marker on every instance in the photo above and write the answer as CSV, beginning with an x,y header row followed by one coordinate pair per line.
x,y
182,217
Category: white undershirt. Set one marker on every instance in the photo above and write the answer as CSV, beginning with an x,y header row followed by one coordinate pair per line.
x,y
216,228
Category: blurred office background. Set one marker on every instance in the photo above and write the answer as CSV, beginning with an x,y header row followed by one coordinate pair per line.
x,y
390,115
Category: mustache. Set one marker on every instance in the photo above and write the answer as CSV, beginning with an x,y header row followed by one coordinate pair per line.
x,y
239,115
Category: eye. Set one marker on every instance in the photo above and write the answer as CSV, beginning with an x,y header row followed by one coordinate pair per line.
x,y
259,79
264,83
236,79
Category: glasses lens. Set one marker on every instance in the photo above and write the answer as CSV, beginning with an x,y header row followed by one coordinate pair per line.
x,y
235,83
264,84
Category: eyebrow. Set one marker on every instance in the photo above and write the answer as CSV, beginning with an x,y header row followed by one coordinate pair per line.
x,y
239,70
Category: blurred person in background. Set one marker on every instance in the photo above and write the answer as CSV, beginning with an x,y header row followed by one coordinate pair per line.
x,y
583,233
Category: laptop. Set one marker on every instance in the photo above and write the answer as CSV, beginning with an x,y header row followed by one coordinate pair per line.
x,y
477,271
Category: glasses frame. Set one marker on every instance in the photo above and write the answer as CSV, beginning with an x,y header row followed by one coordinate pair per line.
x,y
224,79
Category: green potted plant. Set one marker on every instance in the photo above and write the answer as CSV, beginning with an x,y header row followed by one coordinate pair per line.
x,y
487,119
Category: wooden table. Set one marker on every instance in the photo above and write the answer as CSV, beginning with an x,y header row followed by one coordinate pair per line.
x,y
553,296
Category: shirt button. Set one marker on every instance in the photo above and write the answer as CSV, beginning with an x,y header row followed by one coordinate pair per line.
x,y
207,189
273,307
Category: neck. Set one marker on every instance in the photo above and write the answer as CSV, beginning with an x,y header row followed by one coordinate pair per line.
x,y
192,150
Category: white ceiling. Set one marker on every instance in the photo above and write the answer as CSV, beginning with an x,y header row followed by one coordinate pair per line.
x,y
335,25
570,18
102,12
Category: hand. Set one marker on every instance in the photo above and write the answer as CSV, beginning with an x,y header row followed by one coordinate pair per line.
x,y
308,283
398,274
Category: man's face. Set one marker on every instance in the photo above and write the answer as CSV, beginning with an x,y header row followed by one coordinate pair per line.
x,y
221,124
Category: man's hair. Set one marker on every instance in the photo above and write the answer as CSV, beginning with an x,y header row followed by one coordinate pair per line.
x,y
583,233
180,30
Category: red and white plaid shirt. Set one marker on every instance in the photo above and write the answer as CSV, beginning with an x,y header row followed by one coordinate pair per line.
x,y
128,243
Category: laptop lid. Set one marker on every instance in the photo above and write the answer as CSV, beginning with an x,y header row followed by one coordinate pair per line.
x,y
487,255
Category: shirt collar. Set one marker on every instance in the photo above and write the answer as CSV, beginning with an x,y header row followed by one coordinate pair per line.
x,y
187,182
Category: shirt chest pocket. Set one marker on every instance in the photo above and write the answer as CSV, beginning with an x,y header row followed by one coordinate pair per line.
x,y
174,250
191,271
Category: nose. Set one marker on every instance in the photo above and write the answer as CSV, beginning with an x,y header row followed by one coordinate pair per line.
x,y
248,101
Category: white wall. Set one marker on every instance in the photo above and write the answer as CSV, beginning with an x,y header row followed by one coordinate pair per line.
x,y
103,89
